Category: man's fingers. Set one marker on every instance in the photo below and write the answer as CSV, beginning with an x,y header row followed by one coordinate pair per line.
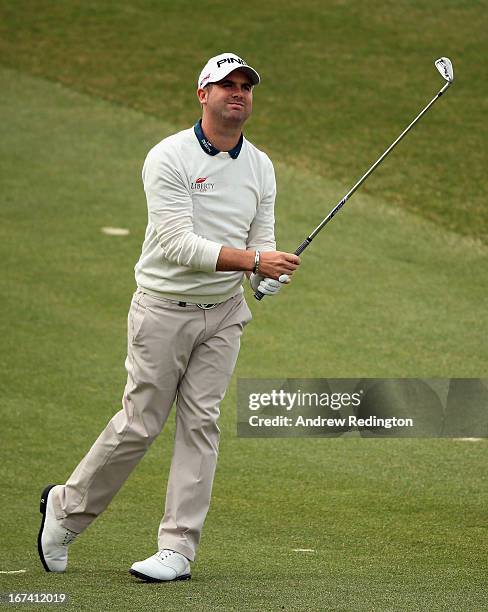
x,y
291,262
275,263
269,286
289,267
293,258
271,282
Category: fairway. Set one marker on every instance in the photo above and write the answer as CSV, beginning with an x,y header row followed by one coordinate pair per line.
x,y
386,291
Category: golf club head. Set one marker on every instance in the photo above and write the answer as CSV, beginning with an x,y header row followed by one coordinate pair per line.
x,y
444,66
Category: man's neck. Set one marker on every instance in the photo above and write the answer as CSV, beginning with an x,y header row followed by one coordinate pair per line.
x,y
223,138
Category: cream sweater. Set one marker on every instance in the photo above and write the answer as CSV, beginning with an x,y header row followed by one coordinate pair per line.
x,y
198,200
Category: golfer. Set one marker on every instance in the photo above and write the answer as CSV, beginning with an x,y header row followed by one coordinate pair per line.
x,y
210,197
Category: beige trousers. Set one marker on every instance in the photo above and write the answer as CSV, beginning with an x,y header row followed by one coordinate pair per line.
x,y
174,353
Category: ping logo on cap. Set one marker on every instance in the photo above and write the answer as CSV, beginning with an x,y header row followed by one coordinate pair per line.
x,y
231,60
218,67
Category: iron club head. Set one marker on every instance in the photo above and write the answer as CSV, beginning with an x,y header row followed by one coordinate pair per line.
x,y
444,66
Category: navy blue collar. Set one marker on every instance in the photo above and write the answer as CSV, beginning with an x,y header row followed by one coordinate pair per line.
x,y
208,147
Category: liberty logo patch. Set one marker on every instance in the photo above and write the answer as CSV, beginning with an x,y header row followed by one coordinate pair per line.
x,y
200,184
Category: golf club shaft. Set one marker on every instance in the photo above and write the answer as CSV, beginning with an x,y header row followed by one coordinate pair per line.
x,y
258,295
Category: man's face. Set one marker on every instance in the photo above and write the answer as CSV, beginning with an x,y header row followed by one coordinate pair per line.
x,y
229,101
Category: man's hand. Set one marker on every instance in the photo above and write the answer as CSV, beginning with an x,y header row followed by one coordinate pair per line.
x,y
273,264
268,286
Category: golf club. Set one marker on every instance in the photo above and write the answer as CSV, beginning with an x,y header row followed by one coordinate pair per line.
x,y
444,66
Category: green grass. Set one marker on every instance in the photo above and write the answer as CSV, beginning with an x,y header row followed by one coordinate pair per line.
x,y
395,524
340,82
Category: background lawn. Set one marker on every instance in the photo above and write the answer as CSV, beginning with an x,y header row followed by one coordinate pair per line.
x,y
395,287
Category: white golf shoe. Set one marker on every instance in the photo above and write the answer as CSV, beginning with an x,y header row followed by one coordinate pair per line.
x,y
163,566
53,538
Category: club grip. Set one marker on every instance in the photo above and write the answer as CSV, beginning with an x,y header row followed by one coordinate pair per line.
x,y
258,295
303,246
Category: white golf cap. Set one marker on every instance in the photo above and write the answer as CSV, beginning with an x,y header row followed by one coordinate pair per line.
x,y
218,67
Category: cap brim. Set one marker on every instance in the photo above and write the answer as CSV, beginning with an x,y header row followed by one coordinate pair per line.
x,y
251,73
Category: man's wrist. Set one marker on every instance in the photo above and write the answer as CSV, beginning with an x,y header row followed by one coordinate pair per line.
x,y
231,260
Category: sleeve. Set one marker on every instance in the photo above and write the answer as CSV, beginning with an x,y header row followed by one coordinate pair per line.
x,y
170,212
261,233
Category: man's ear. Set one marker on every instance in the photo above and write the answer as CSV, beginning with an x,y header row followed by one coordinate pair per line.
x,y
202,94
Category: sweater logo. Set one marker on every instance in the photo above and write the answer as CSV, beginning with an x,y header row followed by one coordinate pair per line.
x,y
200,184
